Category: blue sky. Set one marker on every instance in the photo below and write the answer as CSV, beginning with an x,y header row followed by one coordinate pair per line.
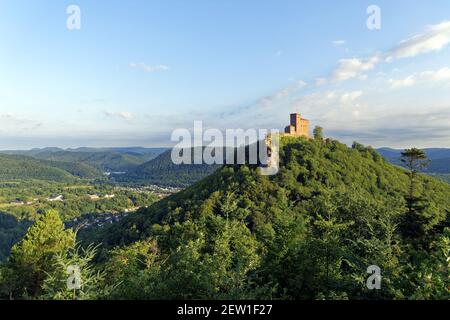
x,y
137,70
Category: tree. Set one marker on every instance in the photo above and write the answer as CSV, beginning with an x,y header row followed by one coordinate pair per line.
x,y
35,255
75,265
318,133
415,160
133,271
414,222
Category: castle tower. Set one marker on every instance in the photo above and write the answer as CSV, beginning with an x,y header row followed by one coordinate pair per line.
x,y
298,126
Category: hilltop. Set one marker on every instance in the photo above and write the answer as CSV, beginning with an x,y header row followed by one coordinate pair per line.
x,y
309,232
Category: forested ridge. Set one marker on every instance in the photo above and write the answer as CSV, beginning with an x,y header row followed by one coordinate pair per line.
x,y
162,171
24,167
309,232
101,160
97,159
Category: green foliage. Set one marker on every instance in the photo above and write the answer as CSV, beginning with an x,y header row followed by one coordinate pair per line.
x,y
414,159
112,159
76,169
21,167
35,255
415,221
91,280
132,270
318,133
201,264
162,171
309,232
11,231
444,177
24,201
431,277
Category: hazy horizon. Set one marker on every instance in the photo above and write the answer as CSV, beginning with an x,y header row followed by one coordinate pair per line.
x,y
167,147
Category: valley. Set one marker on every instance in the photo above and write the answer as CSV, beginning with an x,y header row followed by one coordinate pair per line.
x,y
74,182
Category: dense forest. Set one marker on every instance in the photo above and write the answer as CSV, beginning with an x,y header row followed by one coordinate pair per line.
x,y
11,231
444,177
98,159
125,166
309,232
162,171
24,167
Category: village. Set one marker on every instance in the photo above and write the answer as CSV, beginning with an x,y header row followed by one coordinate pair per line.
x,y
99,220
159,191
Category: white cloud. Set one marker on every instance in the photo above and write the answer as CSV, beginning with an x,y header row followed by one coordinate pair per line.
x,y
402,83
435,38
297,85
121,115
283,93
353,68
321,81
431,77
346,117
8,115
11,121
351,96
338,42
149,68
324,102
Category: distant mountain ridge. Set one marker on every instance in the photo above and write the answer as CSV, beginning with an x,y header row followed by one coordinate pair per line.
x,y
137,150
440,158
102,159
433,153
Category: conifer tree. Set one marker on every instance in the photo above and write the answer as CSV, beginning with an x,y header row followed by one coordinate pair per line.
x,y
414,222
35,255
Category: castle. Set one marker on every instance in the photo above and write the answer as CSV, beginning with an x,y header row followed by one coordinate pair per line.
x,y
299,126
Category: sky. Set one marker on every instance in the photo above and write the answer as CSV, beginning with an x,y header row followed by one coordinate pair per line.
x,y
137,70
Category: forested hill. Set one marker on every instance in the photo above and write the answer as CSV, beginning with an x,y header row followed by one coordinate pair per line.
x,y
22,167
162,171
310,231
103,159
